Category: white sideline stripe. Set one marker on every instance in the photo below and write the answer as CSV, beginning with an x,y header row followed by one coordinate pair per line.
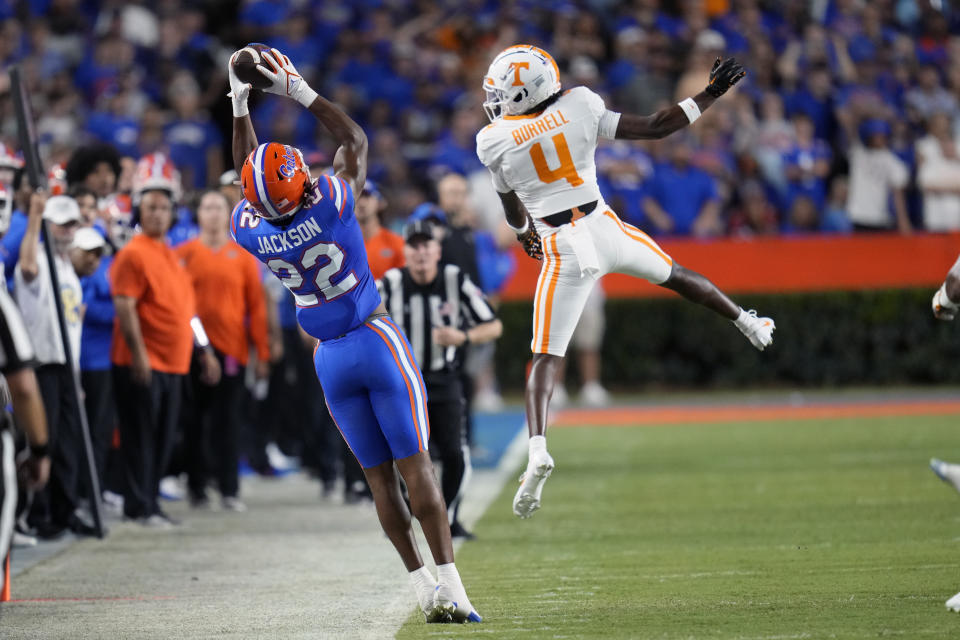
x,y
479,496
8,506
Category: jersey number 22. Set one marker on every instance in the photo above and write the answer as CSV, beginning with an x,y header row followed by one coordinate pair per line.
x,y
292,275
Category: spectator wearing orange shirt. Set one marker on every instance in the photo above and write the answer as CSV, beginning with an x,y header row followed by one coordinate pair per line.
x,y
232,307
153,341
384,247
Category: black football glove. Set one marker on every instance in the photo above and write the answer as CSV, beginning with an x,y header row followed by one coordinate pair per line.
x,y
724,75
530,240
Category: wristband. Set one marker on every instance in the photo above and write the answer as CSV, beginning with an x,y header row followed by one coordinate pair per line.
x,y
690,108
522,230
40,450
240,108
304,94
200,338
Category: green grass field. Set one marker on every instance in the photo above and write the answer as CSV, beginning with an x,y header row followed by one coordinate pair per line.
x,y
806,529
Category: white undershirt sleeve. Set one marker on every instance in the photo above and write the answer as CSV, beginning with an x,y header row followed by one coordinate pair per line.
x,y
607,127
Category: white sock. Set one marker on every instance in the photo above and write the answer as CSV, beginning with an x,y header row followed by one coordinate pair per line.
x,y
422,578
423,584
447,574
537,444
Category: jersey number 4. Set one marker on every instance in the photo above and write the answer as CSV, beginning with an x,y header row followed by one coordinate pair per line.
x,y
292,276
566,170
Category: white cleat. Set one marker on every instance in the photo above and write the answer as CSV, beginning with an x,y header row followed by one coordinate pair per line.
x,y
949,473
593,395
953,604
759,331
527,500
433,610
455,603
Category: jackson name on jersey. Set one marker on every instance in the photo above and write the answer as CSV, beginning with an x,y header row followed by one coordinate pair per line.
x,y
547,158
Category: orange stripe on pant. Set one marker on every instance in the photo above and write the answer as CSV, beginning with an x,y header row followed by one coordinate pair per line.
x,y
541,290
416,368
639,236
551,289
413,402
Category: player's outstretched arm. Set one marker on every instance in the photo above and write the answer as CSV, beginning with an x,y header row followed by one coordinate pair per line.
x,y
947,298
244,137
725,74
350,161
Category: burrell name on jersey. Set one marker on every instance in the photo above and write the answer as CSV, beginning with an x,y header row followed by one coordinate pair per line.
x,y
319,256
547,158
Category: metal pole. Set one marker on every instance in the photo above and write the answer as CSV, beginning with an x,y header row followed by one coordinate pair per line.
x,y
38,179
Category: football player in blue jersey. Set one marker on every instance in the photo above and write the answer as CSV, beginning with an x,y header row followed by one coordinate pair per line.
x,y
305,232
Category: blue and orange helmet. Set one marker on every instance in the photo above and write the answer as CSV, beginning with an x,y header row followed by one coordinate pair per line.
x,y
275,179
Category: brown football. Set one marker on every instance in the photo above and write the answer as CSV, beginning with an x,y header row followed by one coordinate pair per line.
x,y
246,62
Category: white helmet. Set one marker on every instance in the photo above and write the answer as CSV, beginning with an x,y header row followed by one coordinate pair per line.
x,y
519,78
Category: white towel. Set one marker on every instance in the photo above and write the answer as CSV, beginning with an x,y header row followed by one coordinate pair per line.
x,y
581,242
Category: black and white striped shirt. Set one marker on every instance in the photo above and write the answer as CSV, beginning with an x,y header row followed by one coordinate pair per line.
x,y
451,300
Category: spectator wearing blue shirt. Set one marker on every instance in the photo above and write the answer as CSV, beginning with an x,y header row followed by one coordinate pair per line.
x,y
95,341
297,42
815,99
193,139
682,199
835,218
456,151
622,170
806,164
114,125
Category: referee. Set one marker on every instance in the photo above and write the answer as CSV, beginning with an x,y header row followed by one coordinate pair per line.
x,y
441,311
16,365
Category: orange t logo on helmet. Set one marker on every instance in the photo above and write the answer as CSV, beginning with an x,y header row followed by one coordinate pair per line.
x,y
516,66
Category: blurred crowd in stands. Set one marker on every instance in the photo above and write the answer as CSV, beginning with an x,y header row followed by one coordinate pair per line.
x,y
848,120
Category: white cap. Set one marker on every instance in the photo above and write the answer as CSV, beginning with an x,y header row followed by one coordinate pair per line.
x,y
61,210
88,239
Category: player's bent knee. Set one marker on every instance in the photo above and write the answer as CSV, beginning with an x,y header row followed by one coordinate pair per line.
x,y
543,373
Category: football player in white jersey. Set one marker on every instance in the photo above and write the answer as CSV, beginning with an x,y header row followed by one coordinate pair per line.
x,y
540,148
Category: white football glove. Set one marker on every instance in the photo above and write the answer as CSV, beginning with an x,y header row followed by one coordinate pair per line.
x,y
943,307
239,91
285,80
759,331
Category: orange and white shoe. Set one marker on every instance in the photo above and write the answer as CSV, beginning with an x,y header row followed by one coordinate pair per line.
x,y
539,468
759,331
